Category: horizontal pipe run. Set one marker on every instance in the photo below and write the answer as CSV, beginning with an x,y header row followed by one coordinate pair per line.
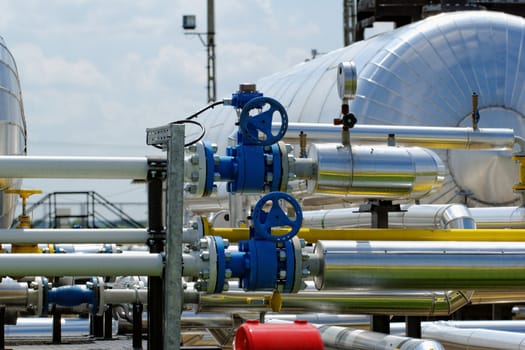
x,y
344,265
430,137
473,338
233,301
81,264
436,216
73,167
497,297
341,338
73,236
396,303
43,328
368,234
499,217
517,326
126,296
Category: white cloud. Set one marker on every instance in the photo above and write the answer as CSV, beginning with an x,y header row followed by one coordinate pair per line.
x,y
54,72
97,72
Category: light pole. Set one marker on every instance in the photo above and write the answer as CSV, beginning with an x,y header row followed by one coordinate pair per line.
x,y
189,23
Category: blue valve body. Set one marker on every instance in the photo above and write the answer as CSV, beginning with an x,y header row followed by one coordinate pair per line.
x,y
71,296
246,168
239,99
264,262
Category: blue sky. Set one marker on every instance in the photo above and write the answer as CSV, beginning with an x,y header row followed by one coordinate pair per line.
x,y
96,73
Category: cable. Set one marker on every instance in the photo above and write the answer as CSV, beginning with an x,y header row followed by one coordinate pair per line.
x,y
186,121
210,106
189,120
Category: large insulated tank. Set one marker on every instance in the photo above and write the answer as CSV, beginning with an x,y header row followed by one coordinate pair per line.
x,y
12,129
424,74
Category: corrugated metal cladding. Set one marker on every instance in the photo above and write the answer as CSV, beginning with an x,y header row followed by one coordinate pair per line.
x,y
12,128
424,74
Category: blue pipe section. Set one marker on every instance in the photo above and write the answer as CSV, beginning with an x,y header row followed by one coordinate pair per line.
x,y
70,296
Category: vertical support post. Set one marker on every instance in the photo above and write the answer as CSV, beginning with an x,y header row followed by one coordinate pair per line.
x,y
157,235
97,324
2,328
173,268
379,210
413,326
108,322
381,324
212,90
57,326
346,22
137,326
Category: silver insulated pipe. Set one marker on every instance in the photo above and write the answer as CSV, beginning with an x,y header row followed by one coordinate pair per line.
x,y
375,171
499,217
406,136
340,338
439,216
419,265
476,338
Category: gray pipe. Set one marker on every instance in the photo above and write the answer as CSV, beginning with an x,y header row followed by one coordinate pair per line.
x,y
33,235
73,167
474,338
43,327
417,265
339,338
499,217
515,326
444,216
429,137
126,296
80,264
402,303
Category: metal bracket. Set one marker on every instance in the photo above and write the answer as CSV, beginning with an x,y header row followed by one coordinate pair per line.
x,y
158,136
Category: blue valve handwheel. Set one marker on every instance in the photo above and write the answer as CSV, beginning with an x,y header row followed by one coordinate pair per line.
x,y
263,221
257,129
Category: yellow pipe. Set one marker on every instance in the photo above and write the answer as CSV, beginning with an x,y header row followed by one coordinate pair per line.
x,y
369,234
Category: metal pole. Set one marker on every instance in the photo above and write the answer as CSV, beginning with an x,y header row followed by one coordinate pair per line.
x,y
137,326
108,322
157,233
57,326
212,90
346,24
173,269
413,326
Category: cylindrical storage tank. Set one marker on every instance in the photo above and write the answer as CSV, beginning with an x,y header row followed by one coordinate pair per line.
x,y
424,74
12,128
375,171
291,336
